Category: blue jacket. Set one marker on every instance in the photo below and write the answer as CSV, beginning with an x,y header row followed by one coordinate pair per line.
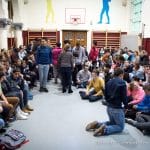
x,y
116,93
44,55
144,106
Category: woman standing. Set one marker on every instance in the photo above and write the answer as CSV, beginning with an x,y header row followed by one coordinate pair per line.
x,y
65,62
55,54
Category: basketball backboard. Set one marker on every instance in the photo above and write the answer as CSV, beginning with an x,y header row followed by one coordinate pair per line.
x,y
75,15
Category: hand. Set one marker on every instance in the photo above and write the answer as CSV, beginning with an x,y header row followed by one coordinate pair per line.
x,y
3,103
78,81
138,113
1,109
134,107
21,75
87,93
129,103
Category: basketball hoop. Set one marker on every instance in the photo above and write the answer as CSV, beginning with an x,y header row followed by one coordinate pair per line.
x,y
74,21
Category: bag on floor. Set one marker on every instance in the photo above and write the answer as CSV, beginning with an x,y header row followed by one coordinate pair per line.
x,y
13,139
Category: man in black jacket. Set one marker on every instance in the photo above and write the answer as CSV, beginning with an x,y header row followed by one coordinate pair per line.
x,y
115,95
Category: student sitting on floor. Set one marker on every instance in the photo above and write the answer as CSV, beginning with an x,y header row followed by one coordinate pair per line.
x,y
95,88
135,92
142,120
83,76
7,107
2,122
135,96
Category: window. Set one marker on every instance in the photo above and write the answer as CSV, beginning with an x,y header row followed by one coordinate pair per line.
x,y
136,10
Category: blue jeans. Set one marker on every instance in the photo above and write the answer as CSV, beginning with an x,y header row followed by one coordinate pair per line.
x,y
83,84
29,94
43,74
91,96
116,121
2,123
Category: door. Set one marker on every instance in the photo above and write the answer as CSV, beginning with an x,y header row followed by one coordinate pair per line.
x,y
75,36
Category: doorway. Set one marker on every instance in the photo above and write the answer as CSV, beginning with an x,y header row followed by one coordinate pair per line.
x,y
75,36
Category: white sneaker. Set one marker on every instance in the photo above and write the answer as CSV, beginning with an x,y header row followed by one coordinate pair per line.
x,y
23,113
19,116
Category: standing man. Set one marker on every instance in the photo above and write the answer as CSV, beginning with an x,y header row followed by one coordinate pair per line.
x,y
115,95
44,60
105,9
79,57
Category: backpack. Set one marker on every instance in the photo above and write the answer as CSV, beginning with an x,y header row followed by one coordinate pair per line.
x,y
12,140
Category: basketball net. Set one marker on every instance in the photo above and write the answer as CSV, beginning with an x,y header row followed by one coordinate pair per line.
x,y
74,21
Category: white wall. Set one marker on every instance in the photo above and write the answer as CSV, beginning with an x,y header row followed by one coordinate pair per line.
x,y
145,17
35,13
130,41
34,16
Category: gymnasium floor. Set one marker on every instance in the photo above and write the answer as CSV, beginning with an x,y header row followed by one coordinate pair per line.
x,y
58,123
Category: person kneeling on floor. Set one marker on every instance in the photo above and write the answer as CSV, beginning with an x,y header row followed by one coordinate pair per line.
x,y
115,95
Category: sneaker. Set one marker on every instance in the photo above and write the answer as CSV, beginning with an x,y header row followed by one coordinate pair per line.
x,y
2,130
24,113
104,102
7,124
63,90
70,91
28,107
45,90
129,121
92,126
41,89
99,131
55,81
19,116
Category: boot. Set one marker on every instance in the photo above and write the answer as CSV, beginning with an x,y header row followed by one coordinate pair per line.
x,y
92,126
70,91
29,108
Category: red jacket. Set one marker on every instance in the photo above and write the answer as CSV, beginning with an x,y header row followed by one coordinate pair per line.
x,y
93,54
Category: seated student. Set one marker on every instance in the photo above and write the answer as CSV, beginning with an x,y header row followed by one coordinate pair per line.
x,y
135,92
18,84
142,120
14,86
138,71
2,122
7,107
83,76
9,103
147,73
94,90
135,95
